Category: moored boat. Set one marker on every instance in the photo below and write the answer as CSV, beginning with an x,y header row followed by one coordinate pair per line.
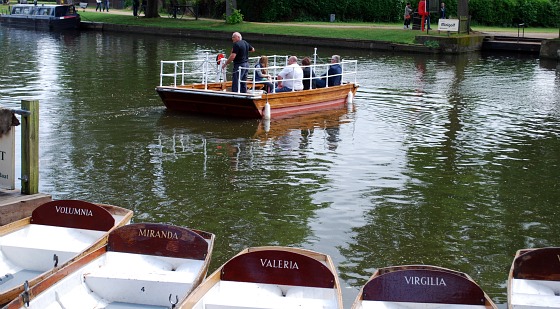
x,y
42,17
143,265
185,86
421,286
534,279
270,277
56,233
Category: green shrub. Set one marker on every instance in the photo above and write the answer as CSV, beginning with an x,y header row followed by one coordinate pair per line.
x,y
235,17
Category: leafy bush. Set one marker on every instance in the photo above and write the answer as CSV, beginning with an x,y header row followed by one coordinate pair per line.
x,y
235,17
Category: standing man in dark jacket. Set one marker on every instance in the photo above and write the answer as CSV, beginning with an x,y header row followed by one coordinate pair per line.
x,y
240,58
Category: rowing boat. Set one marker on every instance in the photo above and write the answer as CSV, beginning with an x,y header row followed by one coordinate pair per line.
x,y
534,279
143,265
270,277
56,233
421,286
185,86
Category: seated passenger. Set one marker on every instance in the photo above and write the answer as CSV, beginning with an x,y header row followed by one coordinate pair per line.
x,y
261,76
308,74
333,75
290,78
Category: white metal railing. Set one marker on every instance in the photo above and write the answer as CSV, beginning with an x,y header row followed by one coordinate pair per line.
x,y
192,71
201,71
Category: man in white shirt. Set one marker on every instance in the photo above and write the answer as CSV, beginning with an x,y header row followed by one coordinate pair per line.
x,y
291,77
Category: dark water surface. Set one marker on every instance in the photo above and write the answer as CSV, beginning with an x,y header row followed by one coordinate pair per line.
x,y
446,160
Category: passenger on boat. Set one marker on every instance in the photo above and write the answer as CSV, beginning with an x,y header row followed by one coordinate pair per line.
x,y
308,74
333,75
291,77
262,76
240,58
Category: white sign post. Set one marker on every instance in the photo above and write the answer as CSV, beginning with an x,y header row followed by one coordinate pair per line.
x,y
7,160
448,25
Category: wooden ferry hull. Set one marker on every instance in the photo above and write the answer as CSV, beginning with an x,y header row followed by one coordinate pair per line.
x,y
534,279
421,286
215,100
29,245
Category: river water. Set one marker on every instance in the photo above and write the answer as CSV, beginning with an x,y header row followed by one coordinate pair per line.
x,y
446,160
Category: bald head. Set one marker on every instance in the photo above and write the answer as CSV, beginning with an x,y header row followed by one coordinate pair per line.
x,y
236,36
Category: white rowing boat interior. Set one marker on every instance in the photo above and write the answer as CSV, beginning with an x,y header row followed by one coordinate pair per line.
x,y
541,293
233,295
124,280
30,251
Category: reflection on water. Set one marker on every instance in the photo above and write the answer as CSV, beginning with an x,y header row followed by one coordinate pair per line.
x,y
444,160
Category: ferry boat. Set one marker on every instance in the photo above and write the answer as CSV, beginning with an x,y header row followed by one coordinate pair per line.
x,y
187,86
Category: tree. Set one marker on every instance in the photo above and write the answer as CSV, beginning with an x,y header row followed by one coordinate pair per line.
x,y
230,6
152,9
463,12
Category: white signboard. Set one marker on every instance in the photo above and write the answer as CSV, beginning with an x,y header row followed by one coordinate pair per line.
x,y
7,160
448,25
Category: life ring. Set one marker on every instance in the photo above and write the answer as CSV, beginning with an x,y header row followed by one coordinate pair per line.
x,y
219,57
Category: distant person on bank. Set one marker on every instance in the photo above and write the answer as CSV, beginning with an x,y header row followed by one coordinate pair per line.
x,y
135,6
407,16
422,11
333,77
240,57
442,11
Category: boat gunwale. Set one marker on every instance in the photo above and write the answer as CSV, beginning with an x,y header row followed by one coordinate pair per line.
x,y
198,294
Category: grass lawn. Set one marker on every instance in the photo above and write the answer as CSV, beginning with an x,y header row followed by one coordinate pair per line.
x,y
389,32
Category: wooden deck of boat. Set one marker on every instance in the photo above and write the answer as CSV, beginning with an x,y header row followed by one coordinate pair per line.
x,y
14,205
